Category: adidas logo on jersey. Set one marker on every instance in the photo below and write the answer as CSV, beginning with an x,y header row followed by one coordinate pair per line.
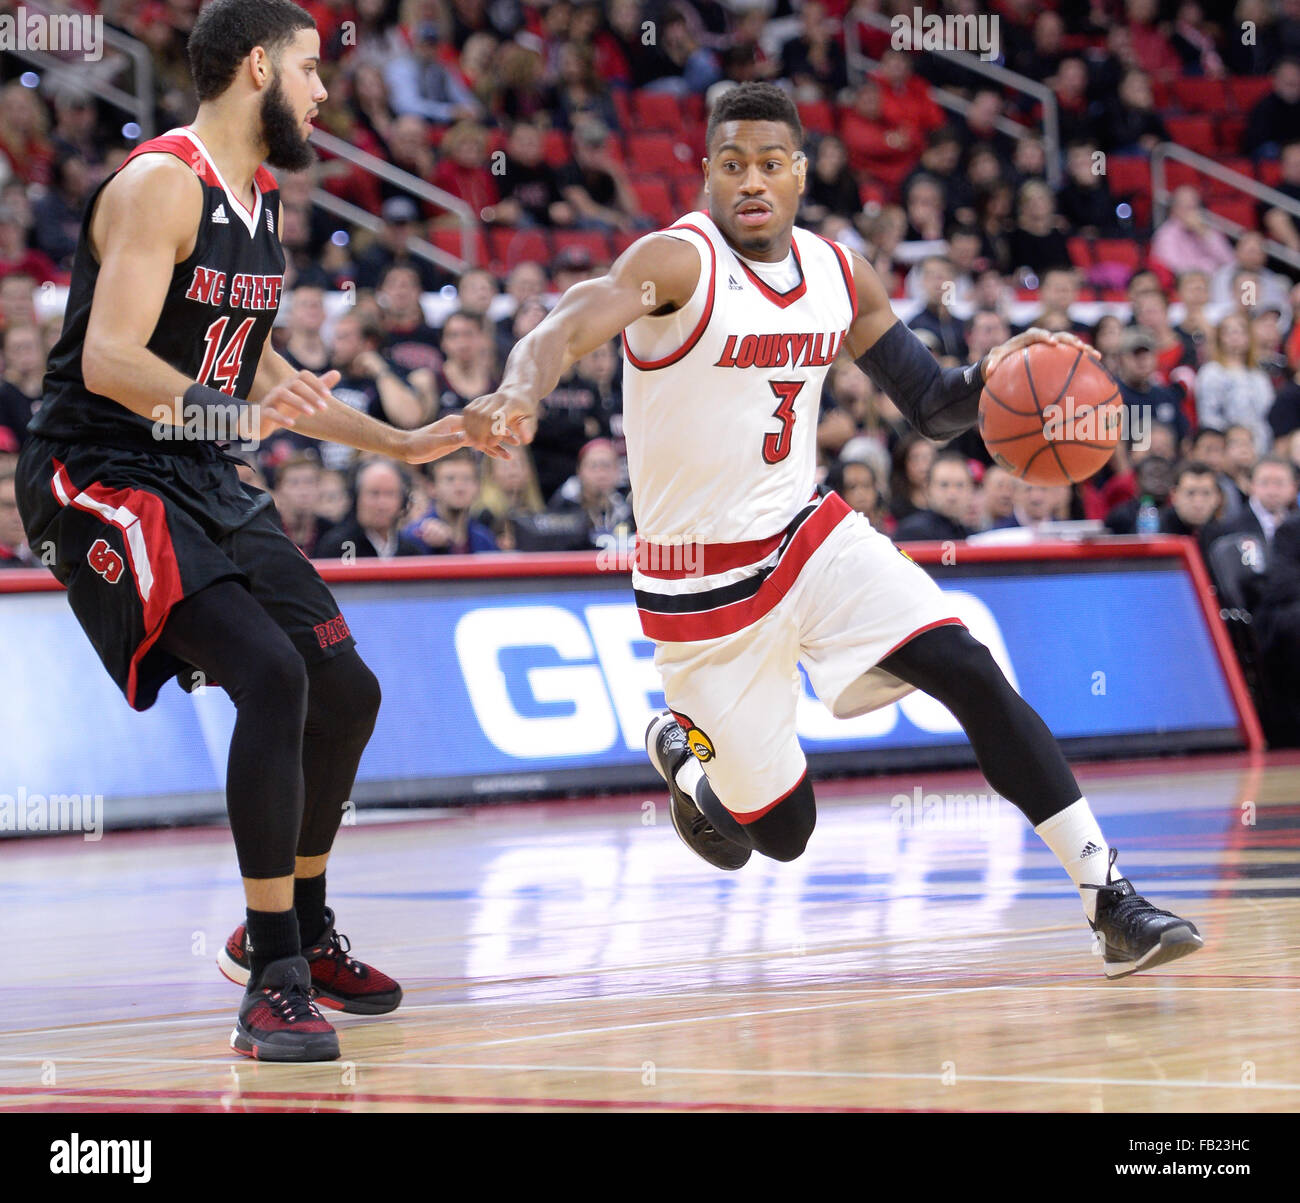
x,y
219,216
1089,849
734,284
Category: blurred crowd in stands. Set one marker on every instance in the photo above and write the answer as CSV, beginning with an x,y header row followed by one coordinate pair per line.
x,y
568,129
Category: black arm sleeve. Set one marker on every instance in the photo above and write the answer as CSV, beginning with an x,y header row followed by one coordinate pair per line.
x,y
941,403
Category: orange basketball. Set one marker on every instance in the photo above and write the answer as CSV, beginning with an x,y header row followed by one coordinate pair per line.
x,y
1050,414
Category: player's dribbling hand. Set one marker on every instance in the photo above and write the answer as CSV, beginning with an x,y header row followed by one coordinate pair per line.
x,y
1027,339
304,395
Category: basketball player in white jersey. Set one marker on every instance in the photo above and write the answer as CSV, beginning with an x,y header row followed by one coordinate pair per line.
x,y
730,319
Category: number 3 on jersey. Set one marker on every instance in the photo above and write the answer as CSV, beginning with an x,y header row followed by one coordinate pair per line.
x,y
223,365
776,446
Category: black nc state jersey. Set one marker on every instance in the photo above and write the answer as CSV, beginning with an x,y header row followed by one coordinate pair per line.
x,y
218,312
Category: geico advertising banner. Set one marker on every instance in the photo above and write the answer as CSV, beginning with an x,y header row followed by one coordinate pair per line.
x,y
495,687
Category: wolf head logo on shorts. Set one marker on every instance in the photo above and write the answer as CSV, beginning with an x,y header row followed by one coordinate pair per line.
x,y
696,740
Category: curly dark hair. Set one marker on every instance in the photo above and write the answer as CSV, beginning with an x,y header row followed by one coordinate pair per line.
x,y
755,102
227,31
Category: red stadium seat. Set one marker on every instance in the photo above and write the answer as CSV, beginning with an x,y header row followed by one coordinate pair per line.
x,y
555,148
449,239
1177,174
656,111
1241,210
1248,90
597,244
818,116
1129,174
1269,172
655,199
686,194
1195,133
1119,250
694,108
1080,252
1231,131
1201,95
1240,164
659,153
512,247
624,239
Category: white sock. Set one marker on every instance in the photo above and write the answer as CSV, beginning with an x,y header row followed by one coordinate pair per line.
x,y
1075,837
689,775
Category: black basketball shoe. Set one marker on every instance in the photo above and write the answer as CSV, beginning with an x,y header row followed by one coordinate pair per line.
x,y
1136,935
278,1020
665,744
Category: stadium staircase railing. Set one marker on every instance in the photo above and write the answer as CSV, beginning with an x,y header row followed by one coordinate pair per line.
x,y
84,77
466,218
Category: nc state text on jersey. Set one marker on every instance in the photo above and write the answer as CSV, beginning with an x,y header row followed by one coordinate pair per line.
x,y
208,287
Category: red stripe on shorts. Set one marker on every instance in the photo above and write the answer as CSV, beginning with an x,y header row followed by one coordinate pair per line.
x,y
726,620
150,513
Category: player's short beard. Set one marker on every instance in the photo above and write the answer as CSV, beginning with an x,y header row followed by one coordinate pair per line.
x,y
286,148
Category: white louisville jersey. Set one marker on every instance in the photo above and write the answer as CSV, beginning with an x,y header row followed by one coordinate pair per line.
x,y
721,398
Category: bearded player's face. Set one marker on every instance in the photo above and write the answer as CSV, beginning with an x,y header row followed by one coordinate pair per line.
x,y
291,101
754,182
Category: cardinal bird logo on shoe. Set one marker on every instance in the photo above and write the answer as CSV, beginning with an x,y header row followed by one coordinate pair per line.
x,y
698,742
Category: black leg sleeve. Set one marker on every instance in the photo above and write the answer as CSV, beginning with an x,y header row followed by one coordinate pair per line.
x,y
342,705
1013,746
230,638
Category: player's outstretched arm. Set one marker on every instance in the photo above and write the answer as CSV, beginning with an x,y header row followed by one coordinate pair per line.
x,y
940,403
278,382
658,273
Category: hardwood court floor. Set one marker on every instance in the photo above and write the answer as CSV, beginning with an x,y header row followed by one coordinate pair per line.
x,y
570,956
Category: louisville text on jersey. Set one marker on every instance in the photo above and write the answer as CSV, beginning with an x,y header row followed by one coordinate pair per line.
x,y
780,350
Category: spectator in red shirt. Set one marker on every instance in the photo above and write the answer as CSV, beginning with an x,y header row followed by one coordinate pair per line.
x,y
1154,52
23,141
17,257
905,99
884,151
464,169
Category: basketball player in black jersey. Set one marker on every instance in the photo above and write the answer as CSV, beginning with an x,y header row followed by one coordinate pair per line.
x,y
172,566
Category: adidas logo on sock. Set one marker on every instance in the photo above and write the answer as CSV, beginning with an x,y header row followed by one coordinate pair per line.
x,y
1089,849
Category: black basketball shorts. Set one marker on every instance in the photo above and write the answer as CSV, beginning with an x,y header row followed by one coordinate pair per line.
x,y
132,533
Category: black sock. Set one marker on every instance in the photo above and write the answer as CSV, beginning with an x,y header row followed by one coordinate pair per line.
x,y
309,905
272,936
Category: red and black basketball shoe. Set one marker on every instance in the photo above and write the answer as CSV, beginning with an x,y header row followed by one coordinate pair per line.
x,y
338,981
279,1022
